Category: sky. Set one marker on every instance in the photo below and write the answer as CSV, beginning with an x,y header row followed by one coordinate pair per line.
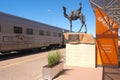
x,y
50,12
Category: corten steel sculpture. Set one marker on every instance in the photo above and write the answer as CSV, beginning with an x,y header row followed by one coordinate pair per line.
x,y
74,15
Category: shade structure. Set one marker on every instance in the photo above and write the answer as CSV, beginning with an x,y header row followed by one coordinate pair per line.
x,y
110,7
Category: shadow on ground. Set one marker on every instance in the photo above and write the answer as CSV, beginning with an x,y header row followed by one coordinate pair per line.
x,y
64,72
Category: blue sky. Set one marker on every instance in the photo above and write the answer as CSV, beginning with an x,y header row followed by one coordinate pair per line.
x,y
50,12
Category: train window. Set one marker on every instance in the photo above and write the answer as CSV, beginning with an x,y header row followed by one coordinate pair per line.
x,y
0,27
48,33
17,29
54,34
41,32
59,35
29,31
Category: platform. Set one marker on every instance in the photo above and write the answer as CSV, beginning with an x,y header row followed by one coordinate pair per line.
x,y
77,73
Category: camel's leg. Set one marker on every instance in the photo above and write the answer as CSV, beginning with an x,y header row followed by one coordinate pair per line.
x,y
70,25
85,28
80,28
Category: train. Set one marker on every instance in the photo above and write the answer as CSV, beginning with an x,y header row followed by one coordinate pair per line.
x,y
17,33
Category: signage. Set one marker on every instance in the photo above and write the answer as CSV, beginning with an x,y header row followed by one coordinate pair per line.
x,y
74,38
106,39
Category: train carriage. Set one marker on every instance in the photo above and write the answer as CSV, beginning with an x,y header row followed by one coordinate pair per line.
x,y
18,33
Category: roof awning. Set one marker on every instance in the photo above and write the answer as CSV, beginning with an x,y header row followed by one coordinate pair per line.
x,y
110,7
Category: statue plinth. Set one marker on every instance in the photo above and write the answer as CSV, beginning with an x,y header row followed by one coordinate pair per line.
x,y
77,38
81,48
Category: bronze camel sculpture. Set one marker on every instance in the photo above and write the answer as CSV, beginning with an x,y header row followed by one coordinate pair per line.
x,y
74,15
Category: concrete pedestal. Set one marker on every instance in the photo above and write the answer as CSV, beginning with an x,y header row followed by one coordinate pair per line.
x,y
81,55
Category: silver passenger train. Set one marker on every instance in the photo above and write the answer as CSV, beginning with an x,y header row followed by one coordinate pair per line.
x,y
18,33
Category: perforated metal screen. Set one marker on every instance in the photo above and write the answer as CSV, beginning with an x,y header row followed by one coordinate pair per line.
x,y
110,7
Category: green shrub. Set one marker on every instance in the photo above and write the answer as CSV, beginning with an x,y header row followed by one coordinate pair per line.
x,y
54,58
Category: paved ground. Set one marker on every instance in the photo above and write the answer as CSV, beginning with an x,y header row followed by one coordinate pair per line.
x,y
25,67
80,73
111,73
30,68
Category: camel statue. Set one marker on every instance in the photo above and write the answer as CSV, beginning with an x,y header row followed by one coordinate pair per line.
x,y
74,15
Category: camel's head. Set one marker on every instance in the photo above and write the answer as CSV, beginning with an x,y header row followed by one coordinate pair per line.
x,y
80,4
64,8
